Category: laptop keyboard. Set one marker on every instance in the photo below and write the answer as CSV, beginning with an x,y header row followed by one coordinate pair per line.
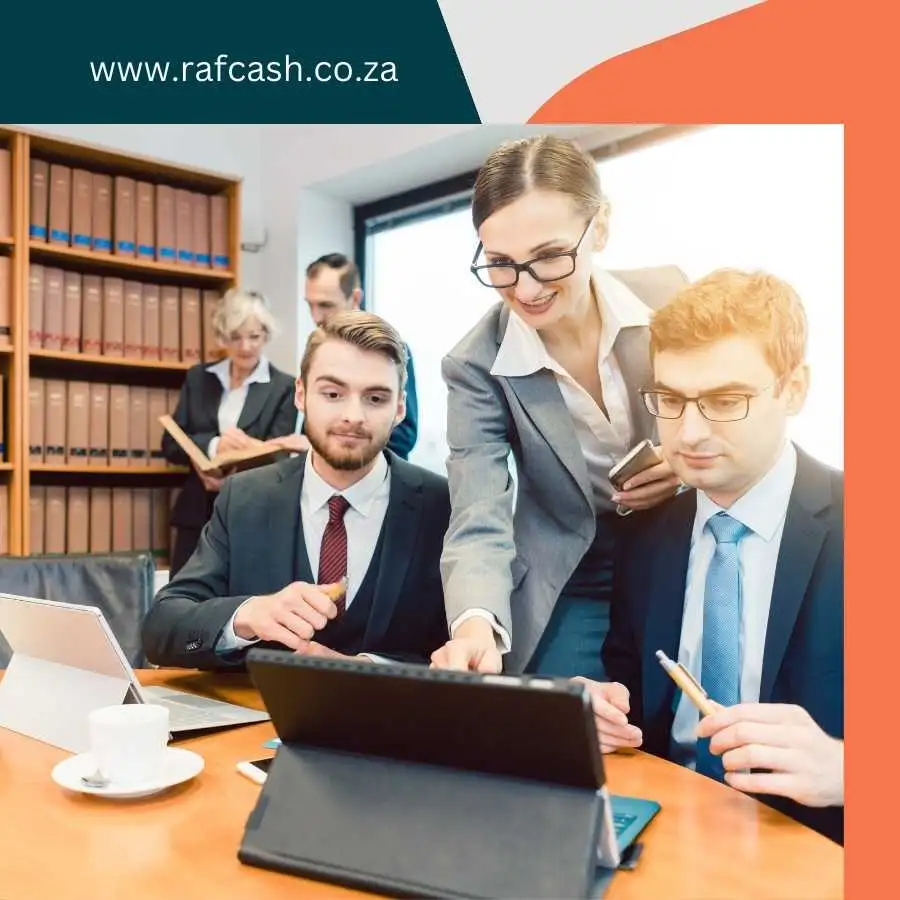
x,y
621,821
190,711
181,716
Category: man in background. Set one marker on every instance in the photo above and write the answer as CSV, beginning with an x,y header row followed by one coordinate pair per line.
x,y
333,285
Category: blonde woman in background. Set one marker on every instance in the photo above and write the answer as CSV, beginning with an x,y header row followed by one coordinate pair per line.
x,y
229,405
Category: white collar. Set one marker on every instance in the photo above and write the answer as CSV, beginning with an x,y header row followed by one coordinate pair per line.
x,y
764,506
222,370
522,351
360,496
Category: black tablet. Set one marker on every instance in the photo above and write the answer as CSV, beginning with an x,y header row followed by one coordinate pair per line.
x,y
523,727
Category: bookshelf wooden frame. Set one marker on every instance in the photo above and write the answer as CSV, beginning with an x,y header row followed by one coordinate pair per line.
x,y
17,360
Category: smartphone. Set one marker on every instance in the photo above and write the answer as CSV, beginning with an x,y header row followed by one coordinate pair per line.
x,y
256,770
641,457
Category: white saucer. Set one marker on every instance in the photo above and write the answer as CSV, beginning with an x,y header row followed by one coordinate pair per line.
x,y
178,765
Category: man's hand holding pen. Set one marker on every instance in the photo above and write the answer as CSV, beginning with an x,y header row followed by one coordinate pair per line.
x,y
610,702
798,759
290,616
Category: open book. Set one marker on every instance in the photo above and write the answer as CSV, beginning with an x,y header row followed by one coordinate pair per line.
x,y
261,454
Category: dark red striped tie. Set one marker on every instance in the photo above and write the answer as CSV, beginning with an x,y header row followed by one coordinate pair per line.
x,y
333,554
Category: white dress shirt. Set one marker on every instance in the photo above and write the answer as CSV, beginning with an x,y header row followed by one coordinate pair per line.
x,y
232,403
763,510
368,500
603,440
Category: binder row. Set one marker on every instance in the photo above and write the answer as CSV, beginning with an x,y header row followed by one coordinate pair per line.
x,y
81,423
5,300
118,317
6,219
103,213
4,519
100,520
2,418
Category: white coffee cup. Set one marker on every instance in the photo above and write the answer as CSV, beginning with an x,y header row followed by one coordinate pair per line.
x,y
128,742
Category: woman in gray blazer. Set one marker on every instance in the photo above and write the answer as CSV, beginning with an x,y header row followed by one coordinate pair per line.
x,y
550,374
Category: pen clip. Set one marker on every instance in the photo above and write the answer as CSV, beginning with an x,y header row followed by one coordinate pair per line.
x,y
692,679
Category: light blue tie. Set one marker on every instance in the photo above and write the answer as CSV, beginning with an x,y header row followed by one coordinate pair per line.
x,y
721,655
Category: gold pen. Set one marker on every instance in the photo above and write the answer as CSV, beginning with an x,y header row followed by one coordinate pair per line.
x,y
335,591
680,675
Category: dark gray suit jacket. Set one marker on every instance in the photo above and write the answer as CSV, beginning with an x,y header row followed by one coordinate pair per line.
x,y
253,544
510,549
803,660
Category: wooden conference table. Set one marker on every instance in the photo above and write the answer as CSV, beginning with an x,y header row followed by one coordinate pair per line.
x,y
708,843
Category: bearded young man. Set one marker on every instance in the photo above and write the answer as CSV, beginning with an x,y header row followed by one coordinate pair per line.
x,y
348,508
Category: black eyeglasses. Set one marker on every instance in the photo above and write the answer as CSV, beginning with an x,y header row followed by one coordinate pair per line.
x,y
550,267
725,407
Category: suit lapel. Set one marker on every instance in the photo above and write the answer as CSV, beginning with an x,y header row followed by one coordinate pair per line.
x,y
402,523
542,402
665,608
212,397
285,544
257,394
801,543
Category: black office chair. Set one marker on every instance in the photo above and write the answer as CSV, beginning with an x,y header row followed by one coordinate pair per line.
x,y
121,586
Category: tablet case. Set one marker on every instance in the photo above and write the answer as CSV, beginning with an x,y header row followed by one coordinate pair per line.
x,y
416,782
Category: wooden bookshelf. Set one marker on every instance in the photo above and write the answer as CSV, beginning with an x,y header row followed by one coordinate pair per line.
x,y
13,366
20,362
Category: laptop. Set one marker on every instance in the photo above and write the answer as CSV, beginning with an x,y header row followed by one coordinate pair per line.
x,y
66,653
460,748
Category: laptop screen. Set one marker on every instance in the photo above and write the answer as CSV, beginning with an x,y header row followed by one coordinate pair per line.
x,y
64,633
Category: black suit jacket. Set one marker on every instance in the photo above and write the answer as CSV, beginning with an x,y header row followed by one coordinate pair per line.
x,y
253,544
803,659
268,412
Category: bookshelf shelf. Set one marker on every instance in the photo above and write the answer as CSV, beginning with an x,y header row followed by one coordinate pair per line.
x,y
127,266
67,469
37,494
121,362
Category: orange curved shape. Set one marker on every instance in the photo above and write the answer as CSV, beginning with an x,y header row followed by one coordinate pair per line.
x,y
783,60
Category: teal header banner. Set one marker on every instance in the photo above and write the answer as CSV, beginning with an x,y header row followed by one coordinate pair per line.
x,y
256,62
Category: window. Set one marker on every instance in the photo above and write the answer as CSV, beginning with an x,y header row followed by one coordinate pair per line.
x,y
415,280
751,196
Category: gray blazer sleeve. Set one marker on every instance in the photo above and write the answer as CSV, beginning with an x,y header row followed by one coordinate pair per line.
x,y
479,545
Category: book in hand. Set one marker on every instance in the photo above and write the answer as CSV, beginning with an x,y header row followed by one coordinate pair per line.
x,y
261,454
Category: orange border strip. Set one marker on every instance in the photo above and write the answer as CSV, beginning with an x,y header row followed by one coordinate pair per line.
x,y
812,61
